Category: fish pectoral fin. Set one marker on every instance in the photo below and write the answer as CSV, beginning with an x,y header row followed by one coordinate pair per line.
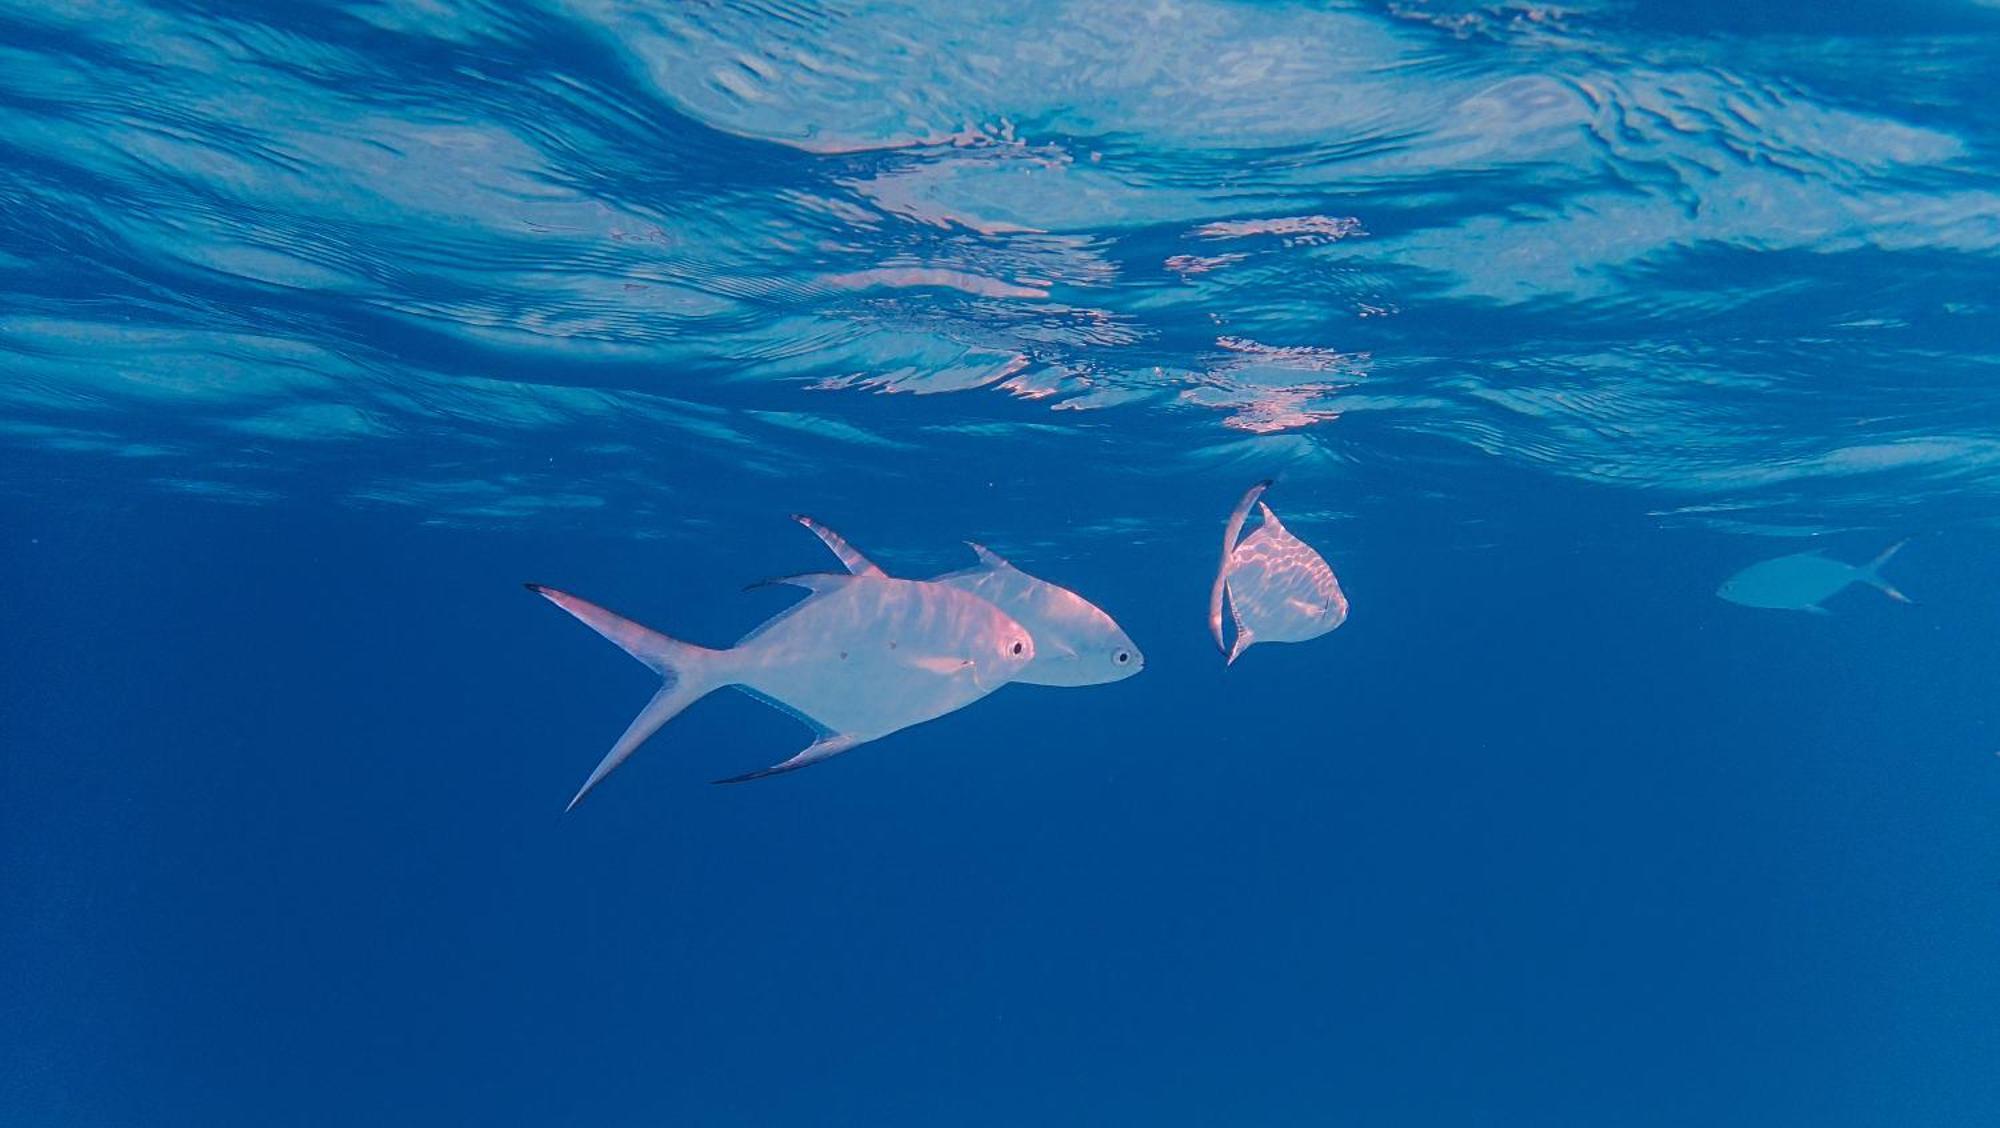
x,y
1313,610
942,666
818,750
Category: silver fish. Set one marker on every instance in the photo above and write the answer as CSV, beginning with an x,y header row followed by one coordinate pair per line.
x,y
1076,643
1278,588
1802,581
858,659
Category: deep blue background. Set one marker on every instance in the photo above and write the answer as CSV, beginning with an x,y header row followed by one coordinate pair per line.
x,y
325,325
1545,834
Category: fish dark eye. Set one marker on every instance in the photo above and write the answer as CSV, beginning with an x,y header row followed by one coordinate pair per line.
x,y
1122,657
1017,646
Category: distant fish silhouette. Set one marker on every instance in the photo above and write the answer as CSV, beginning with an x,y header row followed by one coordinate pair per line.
x,y
1076,643
1278,588
860,658
1802,581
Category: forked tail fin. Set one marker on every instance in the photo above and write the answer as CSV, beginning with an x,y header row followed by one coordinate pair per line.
x,y
1871,572
1229,534
686,670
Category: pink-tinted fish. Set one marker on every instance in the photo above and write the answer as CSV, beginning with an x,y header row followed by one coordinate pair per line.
x,y
1278,589
858,659
1076,643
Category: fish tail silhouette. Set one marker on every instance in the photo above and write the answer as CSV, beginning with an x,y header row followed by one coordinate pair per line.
x,y
687,674
1882,557
1889,590
1872,573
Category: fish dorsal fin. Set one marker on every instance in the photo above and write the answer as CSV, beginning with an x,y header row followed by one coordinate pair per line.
x,y
1229,535
1270,518
819,583
988,557
849,556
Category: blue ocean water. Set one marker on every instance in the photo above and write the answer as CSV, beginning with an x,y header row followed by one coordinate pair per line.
x,y
324,326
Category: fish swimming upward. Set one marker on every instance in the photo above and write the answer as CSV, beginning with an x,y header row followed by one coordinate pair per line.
x,y
1802,581
860,658
1278,588
1076,643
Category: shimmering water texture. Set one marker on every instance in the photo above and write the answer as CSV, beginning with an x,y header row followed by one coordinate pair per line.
x,y
374,252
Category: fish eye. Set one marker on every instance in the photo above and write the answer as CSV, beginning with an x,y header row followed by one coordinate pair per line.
x,y
1122,657
1017,646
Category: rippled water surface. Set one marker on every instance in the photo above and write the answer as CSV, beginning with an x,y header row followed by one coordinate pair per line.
x,y
1744,271
324,324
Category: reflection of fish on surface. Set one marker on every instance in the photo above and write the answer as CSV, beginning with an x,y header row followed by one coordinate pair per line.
x,y
860,658
1278,589
1076,643
1802,581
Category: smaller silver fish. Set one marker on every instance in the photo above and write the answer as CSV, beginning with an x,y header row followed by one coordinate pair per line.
x,y
1802,581
1278,589
1076,643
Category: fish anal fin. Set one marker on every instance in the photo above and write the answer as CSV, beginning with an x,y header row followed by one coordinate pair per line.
x,y
819,731
851,557
1269,517
818,750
